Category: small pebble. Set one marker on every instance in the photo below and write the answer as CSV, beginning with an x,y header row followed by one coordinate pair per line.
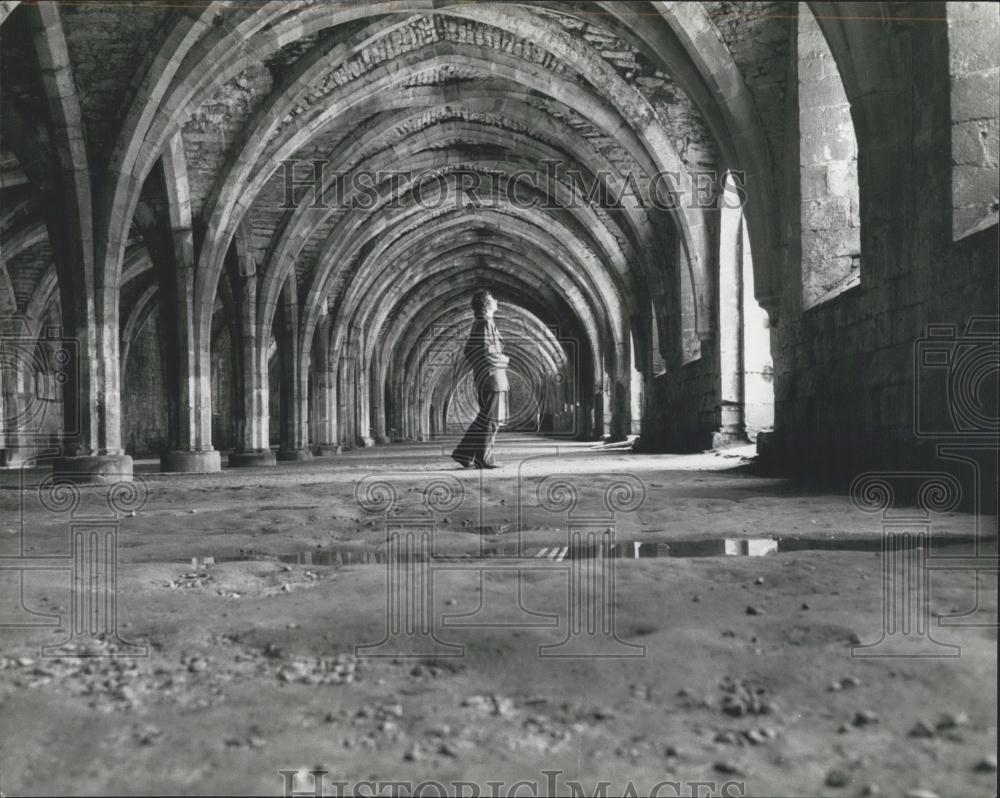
x,y
804,606
837,778
951,720
754,611
728,768
988,764
755,736
922,729
865,718
759,580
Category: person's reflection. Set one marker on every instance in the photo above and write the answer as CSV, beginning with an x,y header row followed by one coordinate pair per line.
x,y
484,353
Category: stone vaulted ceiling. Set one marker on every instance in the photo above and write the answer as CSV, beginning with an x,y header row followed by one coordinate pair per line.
x,y
516,145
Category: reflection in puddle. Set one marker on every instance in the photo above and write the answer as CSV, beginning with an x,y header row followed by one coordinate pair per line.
x,y
507,548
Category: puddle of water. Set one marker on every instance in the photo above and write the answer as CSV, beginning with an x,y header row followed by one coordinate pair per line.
x,y
628,550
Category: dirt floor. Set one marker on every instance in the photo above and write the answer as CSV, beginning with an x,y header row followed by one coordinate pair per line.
x,y
529,627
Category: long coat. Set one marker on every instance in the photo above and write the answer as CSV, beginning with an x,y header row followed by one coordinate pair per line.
x,y
484,352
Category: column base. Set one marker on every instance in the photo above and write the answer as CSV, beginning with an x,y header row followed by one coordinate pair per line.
x,y
294,455
262,457
93,469
367,442
327,449
189,462
724,437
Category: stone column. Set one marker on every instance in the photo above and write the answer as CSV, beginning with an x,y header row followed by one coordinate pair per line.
x,y
599,396
189,420
732,430
92,450
378,397
169,239
250,357
325,391
11,417
638,368
362,398
190,423
294,399
619,427
345,400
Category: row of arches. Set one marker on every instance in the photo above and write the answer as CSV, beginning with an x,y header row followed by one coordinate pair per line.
x,y
461,146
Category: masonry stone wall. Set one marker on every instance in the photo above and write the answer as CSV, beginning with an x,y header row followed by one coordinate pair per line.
x,y
828,165
846,379
973,30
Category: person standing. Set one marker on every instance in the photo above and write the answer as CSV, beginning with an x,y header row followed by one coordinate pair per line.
x,y
484,353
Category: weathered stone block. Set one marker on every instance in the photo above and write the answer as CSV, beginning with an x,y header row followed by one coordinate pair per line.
x,y
975,96
975,143
832,213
